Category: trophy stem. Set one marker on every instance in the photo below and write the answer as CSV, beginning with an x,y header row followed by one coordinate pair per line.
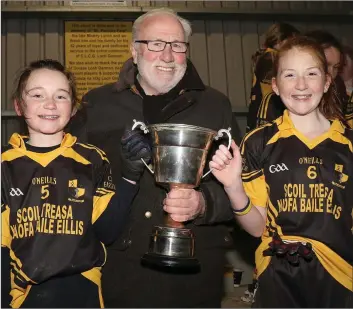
x,y
171,223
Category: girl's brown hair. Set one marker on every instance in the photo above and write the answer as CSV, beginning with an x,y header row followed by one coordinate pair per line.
x,y
21,81
279,32
275,34
330,105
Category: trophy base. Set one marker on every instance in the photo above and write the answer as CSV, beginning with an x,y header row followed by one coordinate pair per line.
x,y
164,262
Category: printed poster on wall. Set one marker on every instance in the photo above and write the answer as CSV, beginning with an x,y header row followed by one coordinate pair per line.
x,y
95,51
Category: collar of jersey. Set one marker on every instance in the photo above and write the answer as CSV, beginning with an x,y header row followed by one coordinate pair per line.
x,y
19,145
17,141
285,124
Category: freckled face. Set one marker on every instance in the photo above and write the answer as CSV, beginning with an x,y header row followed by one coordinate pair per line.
x,y
300,82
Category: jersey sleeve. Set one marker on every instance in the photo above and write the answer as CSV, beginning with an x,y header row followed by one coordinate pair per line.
x,y
265,105
5,216
252,173
104,188
271,106
5,253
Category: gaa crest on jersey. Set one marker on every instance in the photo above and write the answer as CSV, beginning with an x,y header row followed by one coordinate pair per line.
x,y
75,191
342,178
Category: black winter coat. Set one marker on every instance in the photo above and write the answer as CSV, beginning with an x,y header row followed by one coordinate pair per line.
x,y
125,282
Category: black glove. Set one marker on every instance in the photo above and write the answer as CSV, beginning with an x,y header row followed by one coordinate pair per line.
x,y
134,146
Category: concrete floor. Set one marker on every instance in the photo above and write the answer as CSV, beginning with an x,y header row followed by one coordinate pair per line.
x,y
232,298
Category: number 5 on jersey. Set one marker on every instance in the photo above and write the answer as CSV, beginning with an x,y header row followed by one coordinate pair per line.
x,y
45,192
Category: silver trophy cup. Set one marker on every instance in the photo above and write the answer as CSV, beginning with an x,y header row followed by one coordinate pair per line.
x,y
179,157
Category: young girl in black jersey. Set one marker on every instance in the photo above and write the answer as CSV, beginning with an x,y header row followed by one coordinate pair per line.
x,y
60,206
264,105
291,183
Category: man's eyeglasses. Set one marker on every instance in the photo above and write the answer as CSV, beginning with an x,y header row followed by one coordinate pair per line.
x,y
157,46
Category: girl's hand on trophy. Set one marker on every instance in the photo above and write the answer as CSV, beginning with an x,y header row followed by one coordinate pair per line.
x,y
184,204
226,167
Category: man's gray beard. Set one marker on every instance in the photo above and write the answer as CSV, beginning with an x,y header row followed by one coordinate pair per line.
x,y
162,89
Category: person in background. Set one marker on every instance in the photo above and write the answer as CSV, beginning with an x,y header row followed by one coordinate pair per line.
x,y
160,85
290,182
265,106
347,77
335,60
59,204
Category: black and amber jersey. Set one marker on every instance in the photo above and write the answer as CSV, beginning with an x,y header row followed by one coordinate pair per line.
x,y
50,203
306,186
265,106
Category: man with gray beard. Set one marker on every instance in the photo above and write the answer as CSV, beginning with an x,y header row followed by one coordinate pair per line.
x,y
160,85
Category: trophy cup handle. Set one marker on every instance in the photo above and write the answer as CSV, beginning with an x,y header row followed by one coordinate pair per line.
x,y
220,134
143,127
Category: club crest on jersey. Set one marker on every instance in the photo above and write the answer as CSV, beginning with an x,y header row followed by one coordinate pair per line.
x,y
342,177
76,191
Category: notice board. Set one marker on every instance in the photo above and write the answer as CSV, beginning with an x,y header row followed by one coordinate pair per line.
x,y
95,51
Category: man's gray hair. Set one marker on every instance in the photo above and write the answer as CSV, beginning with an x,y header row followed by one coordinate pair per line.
x,y
161,11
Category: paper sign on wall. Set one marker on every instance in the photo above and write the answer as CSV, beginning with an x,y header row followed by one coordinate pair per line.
x,y
95,51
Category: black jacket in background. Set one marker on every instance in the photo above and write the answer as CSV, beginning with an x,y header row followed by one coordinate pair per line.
x,y
126,283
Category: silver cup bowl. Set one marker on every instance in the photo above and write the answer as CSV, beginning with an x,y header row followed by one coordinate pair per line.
x,y
179,153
